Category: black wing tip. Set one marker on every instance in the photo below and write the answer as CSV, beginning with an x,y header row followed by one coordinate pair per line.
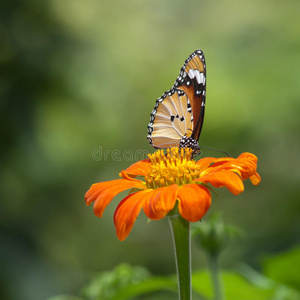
x,y
197,52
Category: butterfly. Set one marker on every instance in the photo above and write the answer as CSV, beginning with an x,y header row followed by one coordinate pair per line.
x,y
177,118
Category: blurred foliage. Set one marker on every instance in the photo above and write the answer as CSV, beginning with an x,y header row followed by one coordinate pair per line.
x,y
126,282
284,268
78,81
214,236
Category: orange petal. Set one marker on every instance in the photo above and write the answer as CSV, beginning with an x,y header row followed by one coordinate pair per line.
x,y
255,179
245,165
97,188
194,201
248,156
160,202
227,179
248,165
218,164
94,191
141,168
103,192
127,212
205,162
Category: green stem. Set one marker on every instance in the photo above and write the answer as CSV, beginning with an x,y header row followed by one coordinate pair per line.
x,y
182,246
215,276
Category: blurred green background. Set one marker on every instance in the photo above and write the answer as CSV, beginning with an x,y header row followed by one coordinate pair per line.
x,y
80,78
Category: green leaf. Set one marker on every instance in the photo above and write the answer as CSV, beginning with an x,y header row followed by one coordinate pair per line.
x,y
152,285
235,286
284,268
201,283
281,292
106,285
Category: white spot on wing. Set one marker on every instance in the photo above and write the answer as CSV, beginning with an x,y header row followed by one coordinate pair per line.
x,y
191,73
198,77
201,78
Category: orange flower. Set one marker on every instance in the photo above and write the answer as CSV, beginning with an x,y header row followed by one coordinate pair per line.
x,y
170,178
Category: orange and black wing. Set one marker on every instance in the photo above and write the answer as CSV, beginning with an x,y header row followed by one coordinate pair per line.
x,y
179,112
192,80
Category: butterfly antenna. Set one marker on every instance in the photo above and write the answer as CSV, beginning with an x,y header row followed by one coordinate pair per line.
x,y
216,150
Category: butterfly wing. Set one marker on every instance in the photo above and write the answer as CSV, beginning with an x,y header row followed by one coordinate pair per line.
x,y
179,112
192,80
170,119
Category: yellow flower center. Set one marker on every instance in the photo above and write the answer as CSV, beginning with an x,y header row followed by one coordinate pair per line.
x,y
176,166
